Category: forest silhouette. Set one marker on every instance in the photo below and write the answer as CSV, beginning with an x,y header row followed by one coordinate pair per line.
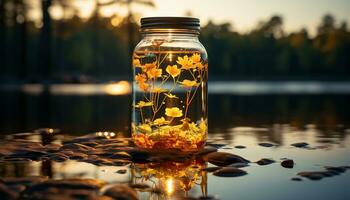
x,y
98,48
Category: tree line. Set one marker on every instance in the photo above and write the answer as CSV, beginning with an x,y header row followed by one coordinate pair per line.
x,y
99,48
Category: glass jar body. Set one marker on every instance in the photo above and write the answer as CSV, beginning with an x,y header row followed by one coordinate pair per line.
x,y
170,73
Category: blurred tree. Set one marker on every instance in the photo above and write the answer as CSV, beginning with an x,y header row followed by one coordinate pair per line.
x,y
130,16
45,41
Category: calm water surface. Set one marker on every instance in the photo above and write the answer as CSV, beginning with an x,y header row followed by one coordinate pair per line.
x,y
322,120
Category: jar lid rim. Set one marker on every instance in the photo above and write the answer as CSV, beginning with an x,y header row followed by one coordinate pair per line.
x,y
170,22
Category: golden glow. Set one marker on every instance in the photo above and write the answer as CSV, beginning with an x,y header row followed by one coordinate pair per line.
x,y
115,21
56,12
169,186
118,88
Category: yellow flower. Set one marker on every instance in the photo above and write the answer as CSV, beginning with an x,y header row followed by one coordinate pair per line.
x,y
200,66
158,90
140,78
196,58
160,121
145,128
154,73
185,62
173,70
143,86
148,66
136,63
188,84
171,96
203,127
143,104
173,112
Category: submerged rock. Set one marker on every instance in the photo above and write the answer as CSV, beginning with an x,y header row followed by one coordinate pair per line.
x,y
121,171
265,161
229,172
300,144
288,163
313,175
341,169
121,192
265,144
224,159
296,179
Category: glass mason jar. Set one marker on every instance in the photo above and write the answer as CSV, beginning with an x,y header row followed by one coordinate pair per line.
x,y
170,70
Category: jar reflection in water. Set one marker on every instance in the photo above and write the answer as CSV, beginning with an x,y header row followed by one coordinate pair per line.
x,y
170,69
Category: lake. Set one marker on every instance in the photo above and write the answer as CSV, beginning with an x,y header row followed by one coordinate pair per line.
x,y
241,115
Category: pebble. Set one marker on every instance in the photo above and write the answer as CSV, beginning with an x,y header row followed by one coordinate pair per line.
x,y
288,163
296,179
240,147
229,172
265,161
224,159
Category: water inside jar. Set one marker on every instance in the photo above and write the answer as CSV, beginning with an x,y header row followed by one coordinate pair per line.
x,y
170,99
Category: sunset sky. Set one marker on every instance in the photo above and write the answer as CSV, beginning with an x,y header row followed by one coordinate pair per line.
x,y
245,14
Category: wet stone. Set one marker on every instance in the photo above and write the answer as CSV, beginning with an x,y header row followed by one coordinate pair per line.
x,y
296,179
58,157
140,186
16,160
120,162
206,150
336,169
52,147
121,192
76,147
217,145
121,155
240,147
265,161
77,156
121,171
211,169
300,144
229,172
90,144
288,163
224,159
265,144
239,165
313,175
